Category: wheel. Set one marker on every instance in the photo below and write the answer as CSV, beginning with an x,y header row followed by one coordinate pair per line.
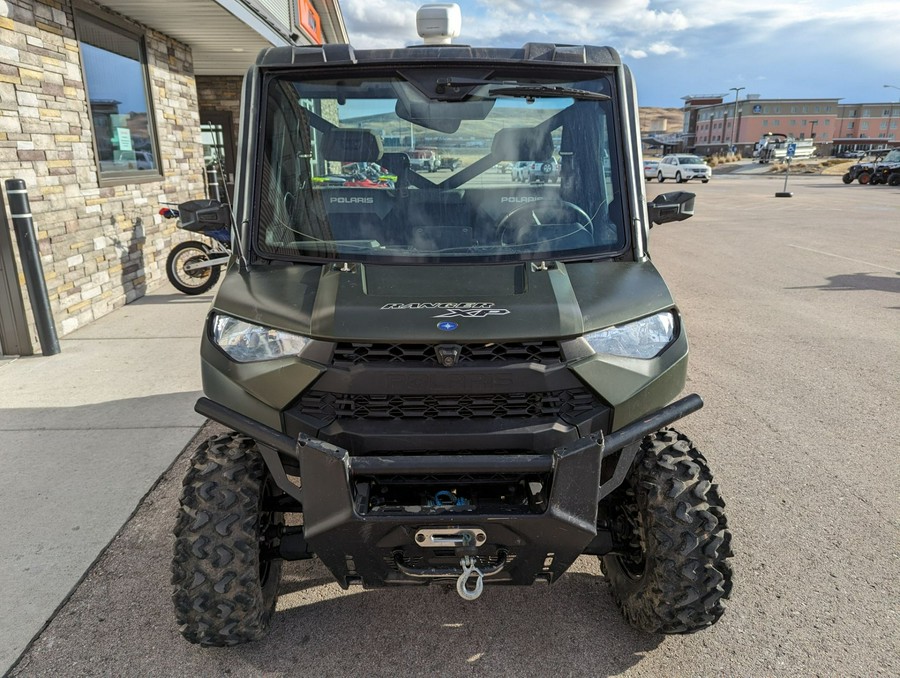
x,y
678,179
660,178
705,181
525,225
191,282
224,589
864,177
675,575
847,179
894,179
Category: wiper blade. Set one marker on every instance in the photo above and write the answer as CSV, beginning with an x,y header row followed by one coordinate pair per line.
x,y
531,92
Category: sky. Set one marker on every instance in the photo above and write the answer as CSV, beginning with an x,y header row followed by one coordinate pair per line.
x,y
775,48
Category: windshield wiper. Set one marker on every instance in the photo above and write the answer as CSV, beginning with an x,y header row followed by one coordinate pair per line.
x,y
532,92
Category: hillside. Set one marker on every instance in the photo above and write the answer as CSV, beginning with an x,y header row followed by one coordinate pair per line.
x,y
674,118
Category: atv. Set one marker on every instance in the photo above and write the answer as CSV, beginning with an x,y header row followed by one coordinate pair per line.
x,y
863,171
455,380
887,170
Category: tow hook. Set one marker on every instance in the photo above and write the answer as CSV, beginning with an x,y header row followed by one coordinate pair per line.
x,y
469,570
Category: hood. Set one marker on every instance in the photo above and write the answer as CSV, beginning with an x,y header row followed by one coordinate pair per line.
x,y
434,304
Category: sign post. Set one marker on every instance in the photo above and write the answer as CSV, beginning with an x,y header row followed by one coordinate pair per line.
x,y
791,150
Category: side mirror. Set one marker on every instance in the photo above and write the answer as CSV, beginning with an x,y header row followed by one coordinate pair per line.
x,y
204,215
674,206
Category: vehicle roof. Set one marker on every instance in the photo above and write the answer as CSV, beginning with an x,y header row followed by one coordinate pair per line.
x,y
590,55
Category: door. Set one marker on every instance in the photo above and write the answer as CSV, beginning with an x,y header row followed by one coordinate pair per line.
x,y
217,135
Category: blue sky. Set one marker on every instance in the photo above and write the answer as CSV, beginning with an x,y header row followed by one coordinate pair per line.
x,y
775,48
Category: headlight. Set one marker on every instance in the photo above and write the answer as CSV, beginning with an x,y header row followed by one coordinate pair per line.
x,y
644,338
247,343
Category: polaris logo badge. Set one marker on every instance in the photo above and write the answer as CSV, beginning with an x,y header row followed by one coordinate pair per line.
x,y
471,309
527,198
352,201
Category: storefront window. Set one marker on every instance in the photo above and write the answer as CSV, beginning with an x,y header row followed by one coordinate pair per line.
x,y
115,77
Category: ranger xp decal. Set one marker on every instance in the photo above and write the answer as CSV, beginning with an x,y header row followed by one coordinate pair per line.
x,y
470,309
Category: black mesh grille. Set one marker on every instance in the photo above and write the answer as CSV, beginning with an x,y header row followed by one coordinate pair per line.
x,y
329,406
542,352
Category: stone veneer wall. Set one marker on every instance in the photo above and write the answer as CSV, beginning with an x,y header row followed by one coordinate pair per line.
x,y
222,93
101,247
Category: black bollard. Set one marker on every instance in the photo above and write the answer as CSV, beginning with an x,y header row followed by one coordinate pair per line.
x,y
23,225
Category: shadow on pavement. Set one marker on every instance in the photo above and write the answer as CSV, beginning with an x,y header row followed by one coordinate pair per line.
x,y
858,281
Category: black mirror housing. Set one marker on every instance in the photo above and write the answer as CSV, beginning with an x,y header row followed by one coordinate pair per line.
x,y
674,206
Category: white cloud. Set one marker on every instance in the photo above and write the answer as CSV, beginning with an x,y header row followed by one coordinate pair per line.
x,y
634,53
380,23
661,48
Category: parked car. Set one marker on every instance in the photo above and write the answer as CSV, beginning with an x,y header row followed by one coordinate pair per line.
x,y
519,170
543,171
650,168
424,160
683,167
853,154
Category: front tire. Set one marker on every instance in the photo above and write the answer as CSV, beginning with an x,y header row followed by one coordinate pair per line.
x,y
660,178
678,179
676,576
847,179
224,589
864,178
191,282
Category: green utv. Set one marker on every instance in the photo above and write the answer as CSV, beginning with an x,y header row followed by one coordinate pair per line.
x,y
445,378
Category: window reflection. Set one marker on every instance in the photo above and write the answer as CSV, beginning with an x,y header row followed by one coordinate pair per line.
x,y
114,72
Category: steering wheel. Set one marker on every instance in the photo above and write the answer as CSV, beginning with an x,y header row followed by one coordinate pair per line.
x,y
524,220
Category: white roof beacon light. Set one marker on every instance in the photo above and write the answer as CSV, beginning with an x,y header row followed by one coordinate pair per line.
x,y
438,24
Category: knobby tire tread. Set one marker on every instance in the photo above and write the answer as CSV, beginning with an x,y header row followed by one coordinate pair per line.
x,y
687,576
218,596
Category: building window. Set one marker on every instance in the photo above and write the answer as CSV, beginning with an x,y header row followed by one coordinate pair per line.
x,y
765,123
778,109
804,109
864,125
849,125
793,121
115,73
827,121
865,113
776,123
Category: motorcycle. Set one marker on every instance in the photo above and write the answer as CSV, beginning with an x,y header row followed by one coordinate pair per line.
x,y
194,267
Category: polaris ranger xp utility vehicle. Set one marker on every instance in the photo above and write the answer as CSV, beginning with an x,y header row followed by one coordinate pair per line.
x,y
452,379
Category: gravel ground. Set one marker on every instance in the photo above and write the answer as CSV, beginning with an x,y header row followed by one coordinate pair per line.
x,y
792,309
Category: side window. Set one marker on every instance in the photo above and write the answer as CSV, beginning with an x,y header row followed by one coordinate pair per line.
x,y
115,73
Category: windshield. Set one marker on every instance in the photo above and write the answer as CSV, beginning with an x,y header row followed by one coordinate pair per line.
x,y
419,168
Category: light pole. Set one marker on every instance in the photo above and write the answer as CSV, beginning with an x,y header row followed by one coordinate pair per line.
x,y
891,114
734,121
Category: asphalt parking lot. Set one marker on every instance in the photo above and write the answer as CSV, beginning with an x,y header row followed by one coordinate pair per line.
x,y
793,311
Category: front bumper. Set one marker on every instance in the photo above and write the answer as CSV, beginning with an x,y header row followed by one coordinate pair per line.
x,y
518,544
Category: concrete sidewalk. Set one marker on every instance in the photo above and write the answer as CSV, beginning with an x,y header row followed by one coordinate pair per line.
x,y
86,433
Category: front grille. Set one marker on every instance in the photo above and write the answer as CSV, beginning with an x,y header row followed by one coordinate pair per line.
x,y
541,352
330,406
